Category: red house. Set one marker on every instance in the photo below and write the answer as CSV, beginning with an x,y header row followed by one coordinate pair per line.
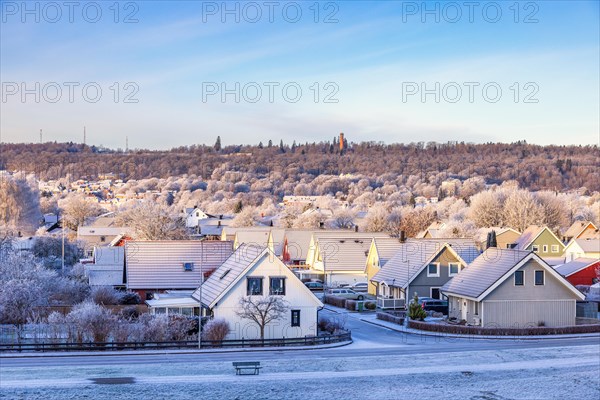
x,y
581,271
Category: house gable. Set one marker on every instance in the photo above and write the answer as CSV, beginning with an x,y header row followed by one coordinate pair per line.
x,y
555,286
265,266
445,256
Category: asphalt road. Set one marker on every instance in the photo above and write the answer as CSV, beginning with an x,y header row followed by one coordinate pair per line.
x,y
369,340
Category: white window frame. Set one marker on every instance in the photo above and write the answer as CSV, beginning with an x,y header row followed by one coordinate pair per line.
x,y
515,278
439,291
535,248
545,248
543,277
437,274
460,268
554,248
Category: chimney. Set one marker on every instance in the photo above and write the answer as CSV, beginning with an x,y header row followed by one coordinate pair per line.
x,y
220,217
402,236
321,225
355,228
219,223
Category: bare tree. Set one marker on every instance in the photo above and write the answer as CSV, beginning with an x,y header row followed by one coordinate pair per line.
x,y
262,310
343,219
215,330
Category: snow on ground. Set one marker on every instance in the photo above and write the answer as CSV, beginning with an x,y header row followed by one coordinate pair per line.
x,y
550,373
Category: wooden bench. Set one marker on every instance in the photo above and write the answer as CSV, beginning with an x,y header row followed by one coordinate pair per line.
x,y
253,366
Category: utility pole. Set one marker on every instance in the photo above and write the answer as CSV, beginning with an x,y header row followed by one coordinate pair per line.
x,y
62,228
84,138
200,316
41,141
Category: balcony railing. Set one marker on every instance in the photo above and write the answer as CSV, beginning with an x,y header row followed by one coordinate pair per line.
x,y
389,303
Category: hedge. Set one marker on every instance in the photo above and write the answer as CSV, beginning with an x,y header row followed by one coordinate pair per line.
x,y
476,330
396,319
334,300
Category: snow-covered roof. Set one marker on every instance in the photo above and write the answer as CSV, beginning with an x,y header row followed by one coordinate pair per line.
x,y
466,248
575,266
530,235
485,271
409,261
173,302
298,243
105,277
386,248
345,252
576,228
162,264
589,245
228,273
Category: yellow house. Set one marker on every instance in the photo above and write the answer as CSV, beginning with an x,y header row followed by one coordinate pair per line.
x,y
380,251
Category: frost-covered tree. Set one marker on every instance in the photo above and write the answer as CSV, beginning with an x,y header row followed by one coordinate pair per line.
x,y
553,209
91,322
377,219
246,217
342,219
77,209
262,310
19,205
521,210
487,208
151,221
472,186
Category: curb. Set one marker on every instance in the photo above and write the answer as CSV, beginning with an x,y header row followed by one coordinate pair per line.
x,y
481,337
175,352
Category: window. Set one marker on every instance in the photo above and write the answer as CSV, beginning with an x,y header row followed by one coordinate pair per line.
x,y
435,293
454,268
295,317
103,239
433,269
545,248
476,308
255,287
555,248
535,248
519,278
539,278
188,266
277,286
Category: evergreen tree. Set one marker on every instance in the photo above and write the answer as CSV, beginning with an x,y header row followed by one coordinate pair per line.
x,y
270,143
415,310
281,147
260,145
294,147
237,208
218,144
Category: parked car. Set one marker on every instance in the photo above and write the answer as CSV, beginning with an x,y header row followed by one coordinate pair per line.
x,y
431,304
315,286
360,287
346,293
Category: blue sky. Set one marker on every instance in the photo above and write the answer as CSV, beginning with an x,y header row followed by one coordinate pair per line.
x,y
542,56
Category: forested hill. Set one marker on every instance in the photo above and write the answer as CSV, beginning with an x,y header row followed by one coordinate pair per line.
x,y
534,167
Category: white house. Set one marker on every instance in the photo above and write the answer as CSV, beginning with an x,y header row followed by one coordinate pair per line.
x,y
255,272
578,248
193,216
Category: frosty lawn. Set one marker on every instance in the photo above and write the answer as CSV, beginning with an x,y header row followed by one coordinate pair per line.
x,y
560,372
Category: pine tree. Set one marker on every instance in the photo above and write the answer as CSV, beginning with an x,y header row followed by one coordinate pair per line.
x,y
281,147
218,144
260,145
270,143
415,310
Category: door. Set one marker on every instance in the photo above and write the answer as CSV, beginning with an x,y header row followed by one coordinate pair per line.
x,y
463,310
435,293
